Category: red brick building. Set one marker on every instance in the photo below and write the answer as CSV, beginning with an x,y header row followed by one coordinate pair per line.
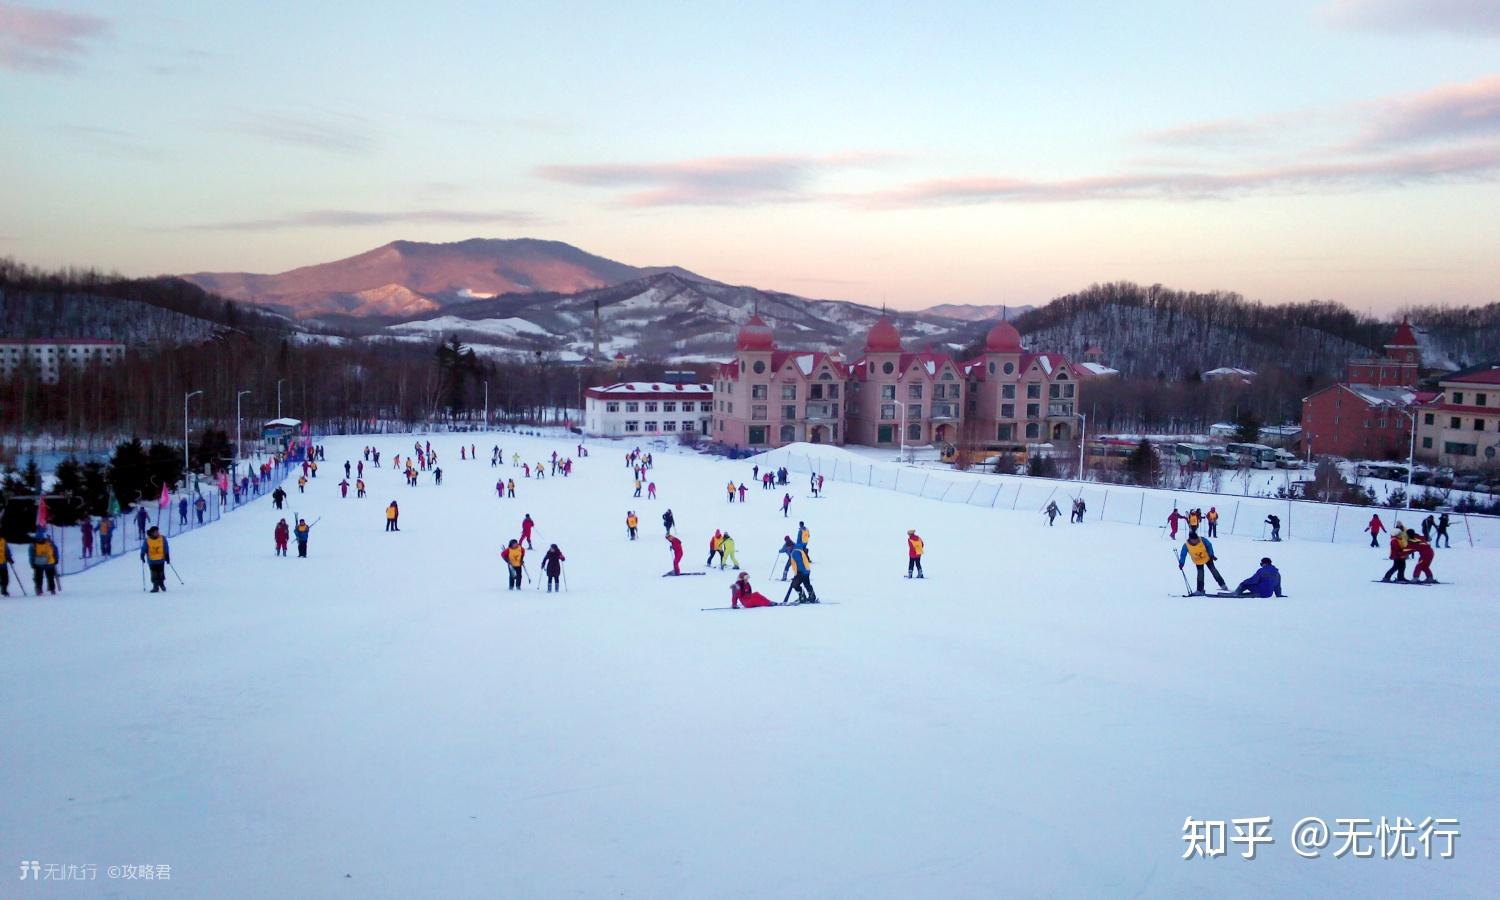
x,y
1366,414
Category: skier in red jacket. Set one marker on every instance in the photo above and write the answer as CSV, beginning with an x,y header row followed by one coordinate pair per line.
x,y
526,524
283,533
676,553
741,594
1173,519
1374,528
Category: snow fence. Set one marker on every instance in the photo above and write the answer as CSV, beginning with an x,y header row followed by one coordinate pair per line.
x,y
1301,520
127,538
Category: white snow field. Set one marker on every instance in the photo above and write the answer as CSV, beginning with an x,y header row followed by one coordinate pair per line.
x,y
1037,718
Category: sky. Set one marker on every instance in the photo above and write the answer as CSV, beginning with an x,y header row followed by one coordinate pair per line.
x,y
912,154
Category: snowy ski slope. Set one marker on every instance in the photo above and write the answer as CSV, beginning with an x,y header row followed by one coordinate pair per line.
x,y
1037,718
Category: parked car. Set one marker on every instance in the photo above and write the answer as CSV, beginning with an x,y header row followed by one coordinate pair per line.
x,y
1288,460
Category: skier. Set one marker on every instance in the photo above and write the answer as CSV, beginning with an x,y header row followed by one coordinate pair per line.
x,y
1442,532
1266,582
755,471
1274,521
1423,550
631,522
200,506
141,518
914,550
515,558
742,594
804,537
786,504
726,551
278,497
552,567
283,533
392,517
1194,518
1375,528
86,534
359,488
713,548
1213,521
667,521
526,525
820,484
1202,554
676,554
5,562
802,581
347,470
1052,512
106,535
301,533
437,475
651,491
1397,555
1172,520
359,469
510,488
729,488
344,488
812,484
742,492
157,556
1428,524
302,484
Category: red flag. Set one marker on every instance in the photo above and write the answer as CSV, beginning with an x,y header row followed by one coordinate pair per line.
x,y
41,513
165,499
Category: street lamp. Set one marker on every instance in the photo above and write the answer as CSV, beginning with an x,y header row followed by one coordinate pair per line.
x,y
486,404
1411,453
187,465
238,423
278,396
1083,442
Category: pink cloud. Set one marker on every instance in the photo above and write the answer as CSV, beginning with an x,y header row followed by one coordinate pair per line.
x,y
1475,161
1452,110
40,40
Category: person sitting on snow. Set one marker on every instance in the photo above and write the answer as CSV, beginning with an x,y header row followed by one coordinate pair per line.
x,y
1266,582
742,594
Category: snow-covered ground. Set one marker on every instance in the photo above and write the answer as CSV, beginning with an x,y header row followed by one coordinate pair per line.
x,y
1037,718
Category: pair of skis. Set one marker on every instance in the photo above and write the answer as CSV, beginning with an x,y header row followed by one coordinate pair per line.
x,y
772,606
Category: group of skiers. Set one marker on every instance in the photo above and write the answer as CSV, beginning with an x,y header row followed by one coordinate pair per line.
x,y
1406,543
1194,519
1266,582
42,557
1439,524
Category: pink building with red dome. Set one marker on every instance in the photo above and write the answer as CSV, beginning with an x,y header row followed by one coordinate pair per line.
x,y
1004,399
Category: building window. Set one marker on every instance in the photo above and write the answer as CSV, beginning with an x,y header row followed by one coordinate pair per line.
x,y
650,406
1478,424
650,425
1458,398
789,392
731,407
887,367
702,407
914,432
1010,368
1032,431
992,368
1007,410
632,425
759,368
914,392
887,392
669,406
757,434
1033,391
759,391
758,412
887,411
1453,448
789,412
814,393
687,425
1481,399
914,410
1453,422
884,434
613,406
1006,432
1008,391
788,433
1426,443
1427,419
833,392
668,425
1054,392
1033,410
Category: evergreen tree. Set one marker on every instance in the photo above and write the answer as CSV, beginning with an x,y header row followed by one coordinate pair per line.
x,y
1141,464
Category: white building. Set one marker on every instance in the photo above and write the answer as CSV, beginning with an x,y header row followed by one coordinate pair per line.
x,y
650,409
47,358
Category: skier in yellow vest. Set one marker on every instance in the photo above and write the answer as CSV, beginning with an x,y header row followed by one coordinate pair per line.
x,y
914,550
157,556
631,522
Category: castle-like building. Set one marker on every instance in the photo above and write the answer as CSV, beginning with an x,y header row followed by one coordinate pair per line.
x,y
1003,399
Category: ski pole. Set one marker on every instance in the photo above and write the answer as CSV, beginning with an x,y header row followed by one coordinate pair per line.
x,y
1183,572
143,574
19,583
527,570
179,577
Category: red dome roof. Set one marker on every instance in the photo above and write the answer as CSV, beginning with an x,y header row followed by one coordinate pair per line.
x,y
756,335
1404,336
883,337
1003,338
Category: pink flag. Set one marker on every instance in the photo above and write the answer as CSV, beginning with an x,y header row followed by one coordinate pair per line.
x,y
165,499
41,513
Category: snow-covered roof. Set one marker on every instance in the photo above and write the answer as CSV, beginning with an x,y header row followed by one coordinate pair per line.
x,y
1228,372
1383,396
285,423
1096,369
633,390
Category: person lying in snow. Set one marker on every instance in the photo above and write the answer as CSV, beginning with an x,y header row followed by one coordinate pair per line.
x,y
1266,582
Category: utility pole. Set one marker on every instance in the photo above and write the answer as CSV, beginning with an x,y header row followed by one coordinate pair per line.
x,y
187,465
1411,454
278,396
1083,442
486,404
238,428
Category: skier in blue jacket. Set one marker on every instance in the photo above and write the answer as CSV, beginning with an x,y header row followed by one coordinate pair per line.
x,y
797,554
1266,582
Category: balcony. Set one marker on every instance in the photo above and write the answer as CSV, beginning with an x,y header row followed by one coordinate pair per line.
x,y
822,411
944,411
1060,409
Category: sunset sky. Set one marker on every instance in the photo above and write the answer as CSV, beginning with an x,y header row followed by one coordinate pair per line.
x,y
909,153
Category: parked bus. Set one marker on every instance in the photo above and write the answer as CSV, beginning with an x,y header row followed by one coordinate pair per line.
x,y
1257,456
1196,454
